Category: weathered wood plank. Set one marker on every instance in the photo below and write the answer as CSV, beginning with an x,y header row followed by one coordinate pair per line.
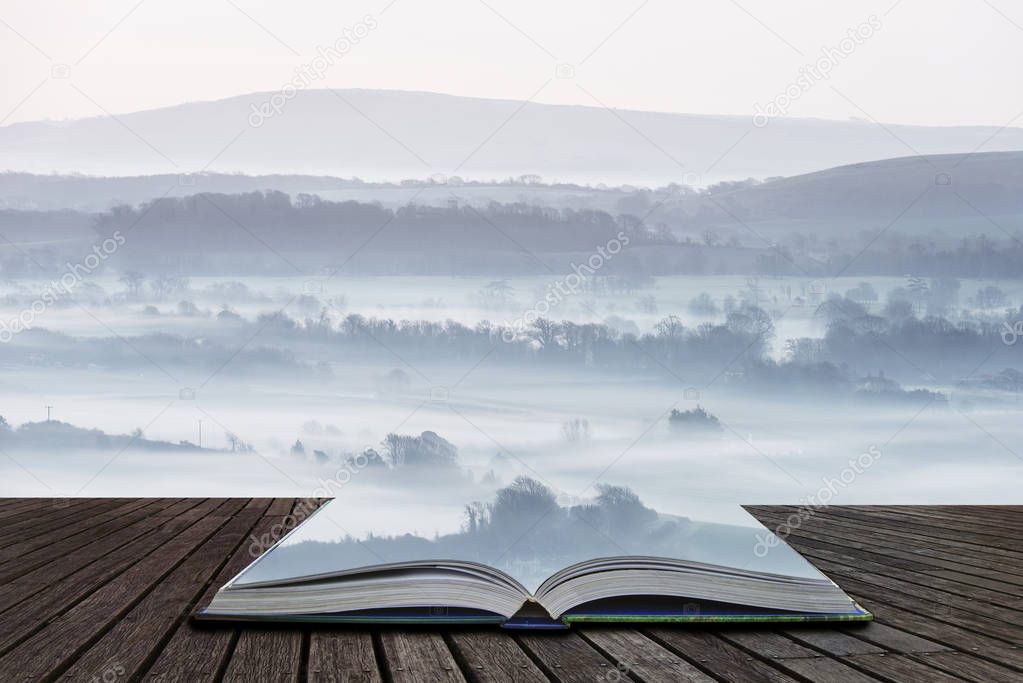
x,y
491,656
893,639
767,644
946,633
70,560
45,509
42,525
342,656
873,528
988,531
196,652
9,503
61,640
804,661
247,657
635,655
929,574
106,526
964,518
898,550
716,656
925,626
860,561
281,507
944,534
940,605
898,668
810,543
133,640
29,616
974,580
969,667
40,509
833,642
263,656
567,658
418,657
826,670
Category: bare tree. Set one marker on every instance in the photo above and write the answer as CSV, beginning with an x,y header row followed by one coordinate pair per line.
x,y
670,327
132,279
576,430
545,331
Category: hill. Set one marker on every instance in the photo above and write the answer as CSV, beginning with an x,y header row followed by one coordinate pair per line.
x,y
939,196
378,134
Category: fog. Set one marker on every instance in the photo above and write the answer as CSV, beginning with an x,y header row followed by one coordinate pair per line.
x,y
851,334
802,377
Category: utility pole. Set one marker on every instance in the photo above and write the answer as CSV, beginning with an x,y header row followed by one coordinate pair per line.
x,y
200,433
48,409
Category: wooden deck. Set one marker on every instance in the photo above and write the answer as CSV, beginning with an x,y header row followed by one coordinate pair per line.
x,y
101,589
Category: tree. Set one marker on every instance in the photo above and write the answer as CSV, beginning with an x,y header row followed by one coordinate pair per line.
x,y
576,430
670,327
804,351
990,297
702,304
298,449
545,331
752,293
166,285
187,308
752,321
863,293
477,517
696,419
429,449
520,505
898,309
918,289
944,293
132,279
623,510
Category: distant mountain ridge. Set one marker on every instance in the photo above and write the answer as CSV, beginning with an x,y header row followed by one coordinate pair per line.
x,y
942,196
380,134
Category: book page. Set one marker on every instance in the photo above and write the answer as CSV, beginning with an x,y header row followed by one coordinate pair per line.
x,y
522,531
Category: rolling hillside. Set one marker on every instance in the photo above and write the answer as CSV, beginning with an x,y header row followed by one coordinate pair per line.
x,y
376,134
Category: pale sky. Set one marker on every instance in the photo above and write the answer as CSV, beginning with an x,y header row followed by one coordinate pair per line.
x,y
924,62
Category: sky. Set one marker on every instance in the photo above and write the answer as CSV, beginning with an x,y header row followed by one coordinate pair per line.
x,y
913,61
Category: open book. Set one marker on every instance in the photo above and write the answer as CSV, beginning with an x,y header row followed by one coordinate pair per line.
x,y
521,565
